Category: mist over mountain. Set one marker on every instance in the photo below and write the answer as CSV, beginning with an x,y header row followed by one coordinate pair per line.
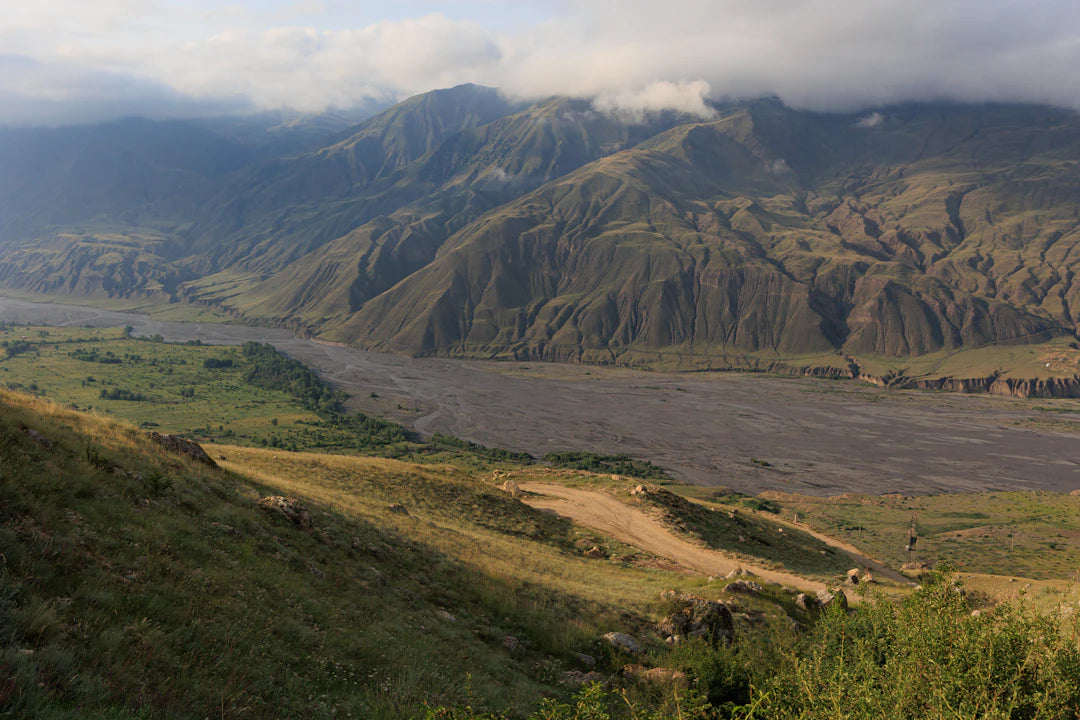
x,y
461,222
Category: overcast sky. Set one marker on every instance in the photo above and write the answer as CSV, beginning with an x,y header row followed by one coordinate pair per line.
x,y
81,60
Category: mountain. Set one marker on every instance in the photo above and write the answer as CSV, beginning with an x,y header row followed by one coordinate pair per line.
x,y
462,223
766,231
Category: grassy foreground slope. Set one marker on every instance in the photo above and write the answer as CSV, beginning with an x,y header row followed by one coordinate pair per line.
x,y
138,583
135,582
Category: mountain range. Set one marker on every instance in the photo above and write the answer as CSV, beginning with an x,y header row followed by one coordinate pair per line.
x,y
463,223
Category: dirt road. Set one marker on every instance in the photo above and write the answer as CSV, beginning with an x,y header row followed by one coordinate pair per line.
x,y
604,513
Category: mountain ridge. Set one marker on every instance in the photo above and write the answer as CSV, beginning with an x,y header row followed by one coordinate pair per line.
x,y
463,223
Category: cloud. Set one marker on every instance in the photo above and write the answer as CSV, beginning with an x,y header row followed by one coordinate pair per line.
x,y
633,56
687,97
870,121
33,92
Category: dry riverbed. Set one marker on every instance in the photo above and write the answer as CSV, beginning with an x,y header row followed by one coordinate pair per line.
x,y
747,432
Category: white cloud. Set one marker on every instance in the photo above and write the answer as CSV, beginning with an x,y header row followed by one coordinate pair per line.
x,y
870,121
632,55
687,97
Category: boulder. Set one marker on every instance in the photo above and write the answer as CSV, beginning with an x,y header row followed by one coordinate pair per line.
x,y
511,643
827,598
743,587
512,489
398,508
183,446
739,572
595,553
585,661
289,508
853,576
805,602
696,617
624,642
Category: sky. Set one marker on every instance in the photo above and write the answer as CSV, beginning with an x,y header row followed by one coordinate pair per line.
x,y
71,61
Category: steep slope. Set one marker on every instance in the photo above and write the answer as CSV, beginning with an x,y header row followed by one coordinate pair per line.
x,y
274,212
470,173
764,232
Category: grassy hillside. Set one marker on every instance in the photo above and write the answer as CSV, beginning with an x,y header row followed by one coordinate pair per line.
x,y
142,581
139,583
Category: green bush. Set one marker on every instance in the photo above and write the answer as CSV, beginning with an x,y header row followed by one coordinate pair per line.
x,y
927,656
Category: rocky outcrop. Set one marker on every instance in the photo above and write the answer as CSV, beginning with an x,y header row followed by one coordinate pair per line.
x,y
183,446
743,587
288,508
624,642
1066,387
696,617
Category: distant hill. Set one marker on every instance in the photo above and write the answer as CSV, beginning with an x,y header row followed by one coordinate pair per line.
x,y
461,223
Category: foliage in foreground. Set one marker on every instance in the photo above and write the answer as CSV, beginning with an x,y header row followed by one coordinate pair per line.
x,y
927,656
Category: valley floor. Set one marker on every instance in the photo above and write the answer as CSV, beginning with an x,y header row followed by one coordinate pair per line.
x,y
745,431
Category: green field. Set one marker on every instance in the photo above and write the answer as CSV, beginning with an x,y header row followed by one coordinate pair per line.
x,y
1029,534
177,392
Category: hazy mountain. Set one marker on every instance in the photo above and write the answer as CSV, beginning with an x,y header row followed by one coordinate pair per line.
x,y
459,222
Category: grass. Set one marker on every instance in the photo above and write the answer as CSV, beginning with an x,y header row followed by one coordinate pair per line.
x,y
1028,534
179,597
74,365
138,584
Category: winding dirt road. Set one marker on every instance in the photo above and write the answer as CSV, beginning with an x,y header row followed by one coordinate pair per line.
x,y
604,513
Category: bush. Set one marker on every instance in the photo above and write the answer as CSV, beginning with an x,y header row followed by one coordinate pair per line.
x,y
614,464
926,656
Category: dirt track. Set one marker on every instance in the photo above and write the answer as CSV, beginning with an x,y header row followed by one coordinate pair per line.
x,y
604,513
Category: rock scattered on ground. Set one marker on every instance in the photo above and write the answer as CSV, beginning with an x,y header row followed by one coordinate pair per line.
x,y
510,487
739,572
805,602
290,508
853,576
511,643
39,438
398,508
445,616
828,597
696,617
744,587
595,553
586,661
624,642
183,446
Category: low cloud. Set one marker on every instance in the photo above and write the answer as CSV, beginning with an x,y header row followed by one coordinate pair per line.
x,y
870,121
633,57
633,105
